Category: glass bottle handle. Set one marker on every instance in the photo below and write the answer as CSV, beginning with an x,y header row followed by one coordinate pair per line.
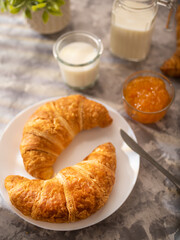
x,y
171,4
167,3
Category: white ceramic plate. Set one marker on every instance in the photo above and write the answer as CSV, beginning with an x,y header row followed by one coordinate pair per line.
x,y
127,163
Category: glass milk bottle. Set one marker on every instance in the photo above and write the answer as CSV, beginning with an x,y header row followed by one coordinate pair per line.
x,y
132,26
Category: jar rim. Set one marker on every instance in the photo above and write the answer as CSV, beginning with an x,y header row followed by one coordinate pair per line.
x,y
146,4
67,35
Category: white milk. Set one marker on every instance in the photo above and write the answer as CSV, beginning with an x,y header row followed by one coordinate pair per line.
x,y
131,31
79,53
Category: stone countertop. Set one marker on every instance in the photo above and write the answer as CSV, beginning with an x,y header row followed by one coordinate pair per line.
x,y
29,73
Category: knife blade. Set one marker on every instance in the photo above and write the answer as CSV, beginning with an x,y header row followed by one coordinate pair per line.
x,y
139,150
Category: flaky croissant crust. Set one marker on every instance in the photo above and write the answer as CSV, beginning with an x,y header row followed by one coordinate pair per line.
x,y
73,194
52,128
171,67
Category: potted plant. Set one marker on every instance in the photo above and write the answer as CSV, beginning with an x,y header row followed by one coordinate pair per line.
x,y
44,16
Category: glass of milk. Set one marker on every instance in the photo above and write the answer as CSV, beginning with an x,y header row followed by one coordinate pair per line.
x,y
132,26
78,55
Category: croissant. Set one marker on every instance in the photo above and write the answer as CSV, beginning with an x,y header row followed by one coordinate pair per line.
x,y
73,194
171,67
53,126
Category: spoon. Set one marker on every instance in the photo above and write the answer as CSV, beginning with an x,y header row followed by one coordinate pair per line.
x,y
136,148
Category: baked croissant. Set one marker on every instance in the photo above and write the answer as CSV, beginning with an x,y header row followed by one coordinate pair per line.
x,y
171,67
53,126
73,194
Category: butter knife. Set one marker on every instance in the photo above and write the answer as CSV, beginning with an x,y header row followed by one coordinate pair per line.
x,y
136,148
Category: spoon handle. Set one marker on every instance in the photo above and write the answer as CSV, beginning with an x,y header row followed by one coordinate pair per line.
x,y
135,147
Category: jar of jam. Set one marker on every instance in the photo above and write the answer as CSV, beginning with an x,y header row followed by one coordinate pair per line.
x,y
147,96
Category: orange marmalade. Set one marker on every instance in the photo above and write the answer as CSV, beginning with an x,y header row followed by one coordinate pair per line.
x,y
147,94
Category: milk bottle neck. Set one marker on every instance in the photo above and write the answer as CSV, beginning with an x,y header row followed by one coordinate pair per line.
x,y
138,5
144,4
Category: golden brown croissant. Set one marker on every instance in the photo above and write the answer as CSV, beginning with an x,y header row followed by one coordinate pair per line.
x,y
53,126
73,194
171,67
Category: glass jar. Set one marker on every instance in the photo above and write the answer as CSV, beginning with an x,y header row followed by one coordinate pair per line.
x,y
132,26
78,54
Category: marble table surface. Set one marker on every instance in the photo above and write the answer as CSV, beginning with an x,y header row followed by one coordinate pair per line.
x,y
29,73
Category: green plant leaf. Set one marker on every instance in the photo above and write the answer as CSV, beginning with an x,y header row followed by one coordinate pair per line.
x,y
12,2
18,3
27,6
53,6
38,6
55,13
13,10
45,16
60,2
28,13
2,6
